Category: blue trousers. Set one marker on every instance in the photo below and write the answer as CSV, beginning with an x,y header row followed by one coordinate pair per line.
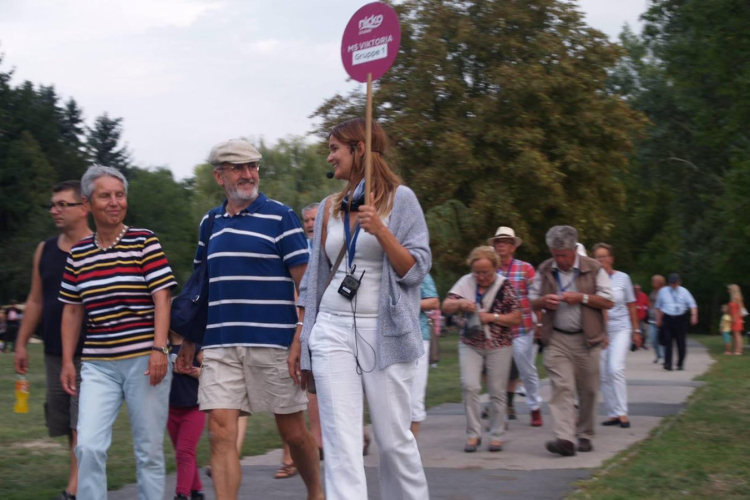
x,y
104,387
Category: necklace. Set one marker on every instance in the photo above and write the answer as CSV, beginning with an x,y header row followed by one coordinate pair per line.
x,y
117,240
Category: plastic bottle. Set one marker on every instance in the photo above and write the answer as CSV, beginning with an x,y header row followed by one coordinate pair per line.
x,y
22,395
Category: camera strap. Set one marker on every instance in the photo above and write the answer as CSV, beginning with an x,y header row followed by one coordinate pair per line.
x,y
335,266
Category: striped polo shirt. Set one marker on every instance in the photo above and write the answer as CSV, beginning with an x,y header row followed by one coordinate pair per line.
x,y
115,286
251,292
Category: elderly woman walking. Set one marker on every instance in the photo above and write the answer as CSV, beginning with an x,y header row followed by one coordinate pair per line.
x,y
737,312
486,343
121,279
623,330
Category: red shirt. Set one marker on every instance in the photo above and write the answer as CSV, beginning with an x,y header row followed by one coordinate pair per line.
x,y
641,305
738,323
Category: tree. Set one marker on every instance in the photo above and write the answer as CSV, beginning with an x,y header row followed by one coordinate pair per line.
x,y
102,144
158,202
691,171
502,107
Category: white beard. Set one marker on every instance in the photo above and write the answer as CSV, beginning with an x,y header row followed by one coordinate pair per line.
x,y
237,195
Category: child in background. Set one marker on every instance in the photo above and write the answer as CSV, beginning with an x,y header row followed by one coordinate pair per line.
x,y
725,327
185,425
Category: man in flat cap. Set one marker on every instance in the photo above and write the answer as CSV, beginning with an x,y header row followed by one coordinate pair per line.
x,y
257,254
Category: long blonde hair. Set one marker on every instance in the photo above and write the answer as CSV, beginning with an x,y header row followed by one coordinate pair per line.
x,y
384,180
735,295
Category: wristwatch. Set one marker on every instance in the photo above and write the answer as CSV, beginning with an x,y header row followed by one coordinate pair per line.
x,y
164,350
585,298
496,316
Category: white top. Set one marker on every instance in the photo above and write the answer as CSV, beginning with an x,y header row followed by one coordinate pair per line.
x,y
618,318
368,257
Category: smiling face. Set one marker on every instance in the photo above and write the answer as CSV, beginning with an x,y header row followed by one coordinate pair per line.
x,y
67,209
240,181
341,157
108,203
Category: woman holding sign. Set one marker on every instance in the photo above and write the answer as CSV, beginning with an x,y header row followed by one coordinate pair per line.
x,y
361,331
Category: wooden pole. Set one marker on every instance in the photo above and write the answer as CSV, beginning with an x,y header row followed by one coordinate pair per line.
x,y
368,141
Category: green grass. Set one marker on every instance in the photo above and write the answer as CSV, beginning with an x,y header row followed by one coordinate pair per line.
x,y
702,453
34,466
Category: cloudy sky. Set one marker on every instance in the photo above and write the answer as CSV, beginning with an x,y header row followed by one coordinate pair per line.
x,y
185,74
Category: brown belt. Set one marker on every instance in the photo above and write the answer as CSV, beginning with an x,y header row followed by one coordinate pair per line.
x,y
566,332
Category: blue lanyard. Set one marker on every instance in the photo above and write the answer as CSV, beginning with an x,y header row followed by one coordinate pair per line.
x,y
480,296
576,272
351,243
506,273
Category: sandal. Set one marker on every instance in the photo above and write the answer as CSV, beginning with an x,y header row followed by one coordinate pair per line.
x,y
285,471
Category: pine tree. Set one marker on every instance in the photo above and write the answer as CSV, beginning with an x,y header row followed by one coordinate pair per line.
x,y
103,144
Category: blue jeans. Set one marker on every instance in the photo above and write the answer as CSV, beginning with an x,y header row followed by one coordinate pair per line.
x,y
105,385
653,334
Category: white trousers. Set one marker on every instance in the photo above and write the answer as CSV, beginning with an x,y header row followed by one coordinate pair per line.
x,y
419,385
340,385
523,355
612,368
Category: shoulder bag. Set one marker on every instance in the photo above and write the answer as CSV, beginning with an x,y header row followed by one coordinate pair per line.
x,y
189,313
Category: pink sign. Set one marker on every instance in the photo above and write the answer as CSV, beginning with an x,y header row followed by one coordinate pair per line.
x,y
371,41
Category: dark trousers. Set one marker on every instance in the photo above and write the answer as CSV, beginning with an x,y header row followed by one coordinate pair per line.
x,y
11,332
675,329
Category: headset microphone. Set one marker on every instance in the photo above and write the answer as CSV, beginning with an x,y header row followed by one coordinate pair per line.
x,y
329,175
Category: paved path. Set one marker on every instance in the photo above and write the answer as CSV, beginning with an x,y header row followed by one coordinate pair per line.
x,y
524,470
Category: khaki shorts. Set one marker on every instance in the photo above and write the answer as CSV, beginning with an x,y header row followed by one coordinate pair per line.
x,y
249,379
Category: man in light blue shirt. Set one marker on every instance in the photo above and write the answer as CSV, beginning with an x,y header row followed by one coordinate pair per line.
x,y
672,305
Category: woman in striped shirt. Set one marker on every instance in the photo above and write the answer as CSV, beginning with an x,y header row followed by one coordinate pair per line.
x,y
121,279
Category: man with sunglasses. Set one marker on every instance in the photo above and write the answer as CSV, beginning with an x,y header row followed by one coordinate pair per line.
x,y
257,254
42,306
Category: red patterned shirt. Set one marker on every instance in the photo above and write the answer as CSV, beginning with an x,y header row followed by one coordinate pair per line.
x,y
502,336
521,274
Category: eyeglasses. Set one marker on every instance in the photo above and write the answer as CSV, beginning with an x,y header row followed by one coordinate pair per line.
x,y
61,205
237,168
482,273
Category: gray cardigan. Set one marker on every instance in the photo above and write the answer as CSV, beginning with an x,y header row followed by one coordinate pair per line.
x,y
399,336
